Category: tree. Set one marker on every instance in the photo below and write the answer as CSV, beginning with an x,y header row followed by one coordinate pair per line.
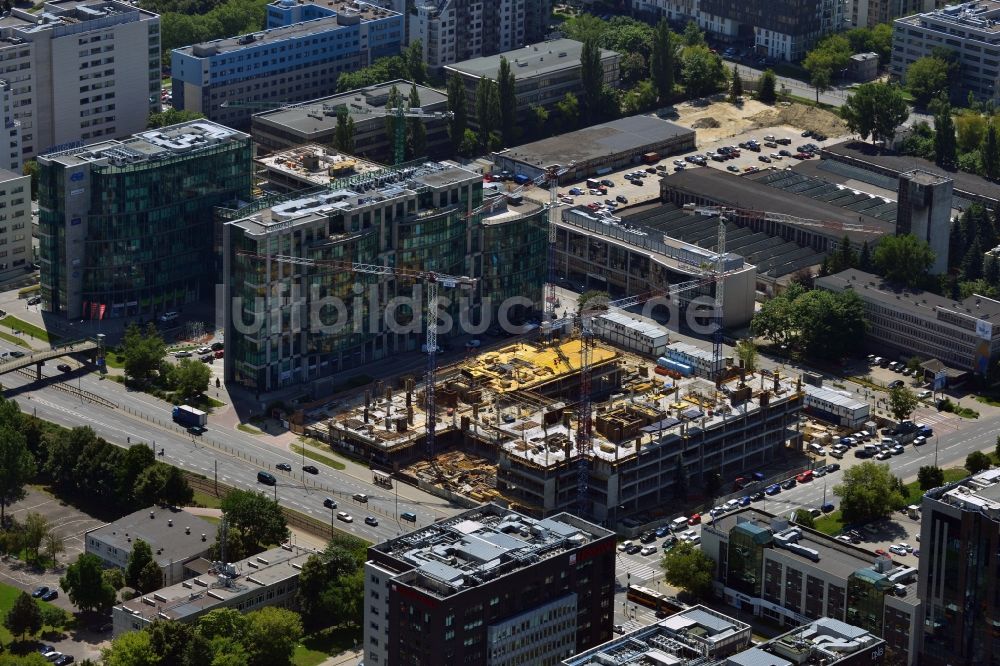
x,y
902,402
257,517
996,450
633,68
114,577
746,352
507,93
970,128
735,86
538,120
141,555
686,567
661,62
875,110
804,518
640,98
767,87
819,64
829,326
344,133
36,526
220,622
393,123
693,36
930,476
416,64
470,144
416,131
945,148
991,152
458,122
30,168
592,299
702,70
169,640
190,378
24,617
903,259
85,585
169,117
775,320
592,76
569,111
487,110
272,634
977,462
869,491
142,353
133,648
927,79
17,465
150,578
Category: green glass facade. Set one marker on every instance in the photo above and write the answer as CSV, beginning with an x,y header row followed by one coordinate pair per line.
x,y
515,258
866,590
145,239
745,557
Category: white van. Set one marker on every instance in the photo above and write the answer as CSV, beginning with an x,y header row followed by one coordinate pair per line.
x,y
678,524
817,449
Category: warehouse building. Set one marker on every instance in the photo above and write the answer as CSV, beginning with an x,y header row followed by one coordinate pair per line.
x,y
962,334
792,575
838,407
631,333
315,121
598,149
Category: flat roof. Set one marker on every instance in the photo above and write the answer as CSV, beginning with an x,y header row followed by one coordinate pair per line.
x,y
964,183
833,396
221,586
263,38
528,61
172,534
482,544
979,494
633,133
68,12
315,164
638,325
749,192
150,145
980,14
363,105
923,304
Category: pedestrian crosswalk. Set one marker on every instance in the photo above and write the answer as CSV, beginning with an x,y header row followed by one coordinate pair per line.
x,y
936,419
640,572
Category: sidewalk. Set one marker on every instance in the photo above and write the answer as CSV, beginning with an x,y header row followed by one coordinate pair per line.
x,y
351,658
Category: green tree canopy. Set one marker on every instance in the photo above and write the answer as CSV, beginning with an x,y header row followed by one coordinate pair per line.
x,y
687,568
257,517
141,555
930,476
869,491
804,518
568,109
507,95
344,132
902,402
767,87
17,465
190,378
85,585
875,110
693,36
171,117
735,86
927,79
150,578
142,352
903,259
945,142
977,462
272,634
661,63
133,648
457,105
592,75
702,71
24,617
970,128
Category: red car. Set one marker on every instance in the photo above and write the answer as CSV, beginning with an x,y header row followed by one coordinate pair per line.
x,y
695,519
219,353
879,551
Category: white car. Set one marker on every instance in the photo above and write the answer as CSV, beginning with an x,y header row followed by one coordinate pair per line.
x,y
345,517
923,395
623,546
905,546
593,191
897,549
776,157
182,354
648,550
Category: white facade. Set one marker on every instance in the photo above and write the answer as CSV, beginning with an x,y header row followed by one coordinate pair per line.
x,y
837,406
15,223
10,132
700,359
79,71
633,334
376,607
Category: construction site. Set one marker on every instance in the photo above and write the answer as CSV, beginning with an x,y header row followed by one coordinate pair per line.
x,y
309,166
508,428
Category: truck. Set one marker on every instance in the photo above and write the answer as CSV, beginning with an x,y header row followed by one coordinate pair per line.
x,y
188,416
651,158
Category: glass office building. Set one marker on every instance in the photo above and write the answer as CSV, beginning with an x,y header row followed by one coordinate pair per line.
x,y
126,227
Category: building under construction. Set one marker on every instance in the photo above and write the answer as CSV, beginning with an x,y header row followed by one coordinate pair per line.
x,y
655,436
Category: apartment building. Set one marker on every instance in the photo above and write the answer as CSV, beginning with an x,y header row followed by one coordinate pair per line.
x,y
792,575
455,30
962,334
960,539
67,78
970,30
315,121
126,228
781,29
415,217
10,131
543,73
15,224
489,586
268,579
300,56
869,13
176,538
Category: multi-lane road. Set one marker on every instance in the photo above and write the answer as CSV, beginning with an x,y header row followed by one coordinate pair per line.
x,y
236,457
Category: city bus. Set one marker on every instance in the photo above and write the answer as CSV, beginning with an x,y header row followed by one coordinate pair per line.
x,y
663,604
381,479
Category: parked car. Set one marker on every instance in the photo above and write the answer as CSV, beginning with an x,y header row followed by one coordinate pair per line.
x,y
621,198
788,484
40,591
34,300
182,354
633,549
648,550
694,519
764,158
64,660
924,395
832,467
827,508
772,489
757,496
51,595
896,384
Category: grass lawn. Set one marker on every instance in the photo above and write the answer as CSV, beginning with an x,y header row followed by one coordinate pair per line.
x,y
831,523
206,500
990,400
114,360
213,403
215,520
249,429
7,595
13,339
16,324
315,648
318,457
